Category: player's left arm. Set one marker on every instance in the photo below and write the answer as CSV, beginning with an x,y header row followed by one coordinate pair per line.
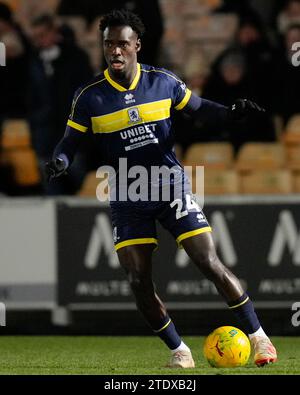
x,y
210,111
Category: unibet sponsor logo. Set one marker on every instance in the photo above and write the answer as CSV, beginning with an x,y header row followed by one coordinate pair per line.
x,y
138,131
139,136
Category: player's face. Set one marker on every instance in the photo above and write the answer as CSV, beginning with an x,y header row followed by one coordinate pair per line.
x,y
121,45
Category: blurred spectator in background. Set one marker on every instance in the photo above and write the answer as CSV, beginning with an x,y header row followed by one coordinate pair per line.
x,y
14,77
234,76
229,79
241,7
290,14
150,13
13,80
286,76
252,42
88,9
58,68
245,69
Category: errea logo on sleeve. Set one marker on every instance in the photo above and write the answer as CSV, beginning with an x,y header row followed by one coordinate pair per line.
x,y
2,54
183,86
129,98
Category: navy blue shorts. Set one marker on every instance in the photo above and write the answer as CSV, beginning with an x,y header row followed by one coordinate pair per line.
x,y
135,222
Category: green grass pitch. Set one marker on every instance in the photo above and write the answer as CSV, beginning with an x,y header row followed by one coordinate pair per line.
x,y
91,355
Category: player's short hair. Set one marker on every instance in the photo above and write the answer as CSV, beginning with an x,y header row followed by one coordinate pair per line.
x,y
123,18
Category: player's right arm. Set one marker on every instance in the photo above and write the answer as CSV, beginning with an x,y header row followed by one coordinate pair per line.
x,y
76,130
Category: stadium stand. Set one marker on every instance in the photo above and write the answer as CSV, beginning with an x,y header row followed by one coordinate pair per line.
x,y
212,33
291,134
293,157
210,155
221,182
296,182
15,134
90,184
24,164
17,153
77,24
267,182
260,156
204,35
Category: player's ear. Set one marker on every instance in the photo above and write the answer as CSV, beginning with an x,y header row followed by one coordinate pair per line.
x,y
138,45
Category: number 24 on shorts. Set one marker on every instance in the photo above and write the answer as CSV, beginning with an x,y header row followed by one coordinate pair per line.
x,y
190,205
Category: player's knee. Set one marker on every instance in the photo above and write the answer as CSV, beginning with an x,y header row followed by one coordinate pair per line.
x,y
209,263
135,282
137,277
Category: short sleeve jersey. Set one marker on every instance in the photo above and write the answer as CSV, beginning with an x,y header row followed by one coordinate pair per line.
x,y
132,123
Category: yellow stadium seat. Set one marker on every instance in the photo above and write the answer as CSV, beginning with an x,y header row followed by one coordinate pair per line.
x,y
267,182
15,134
260,156
221,182
24,164
210,155
293,157
291,134
296,182
91,183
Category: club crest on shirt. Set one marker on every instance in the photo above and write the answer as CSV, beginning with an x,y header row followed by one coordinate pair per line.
x,y
134,115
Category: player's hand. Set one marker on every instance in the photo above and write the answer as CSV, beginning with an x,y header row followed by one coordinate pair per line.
x,y
243,107
54,169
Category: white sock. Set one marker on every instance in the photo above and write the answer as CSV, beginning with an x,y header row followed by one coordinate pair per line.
x,y
182,347
260,332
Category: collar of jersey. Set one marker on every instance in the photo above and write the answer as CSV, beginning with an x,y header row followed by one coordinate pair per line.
x,y
120,87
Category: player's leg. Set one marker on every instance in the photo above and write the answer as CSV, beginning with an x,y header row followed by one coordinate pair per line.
x,y
137,263
136,260
201,250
